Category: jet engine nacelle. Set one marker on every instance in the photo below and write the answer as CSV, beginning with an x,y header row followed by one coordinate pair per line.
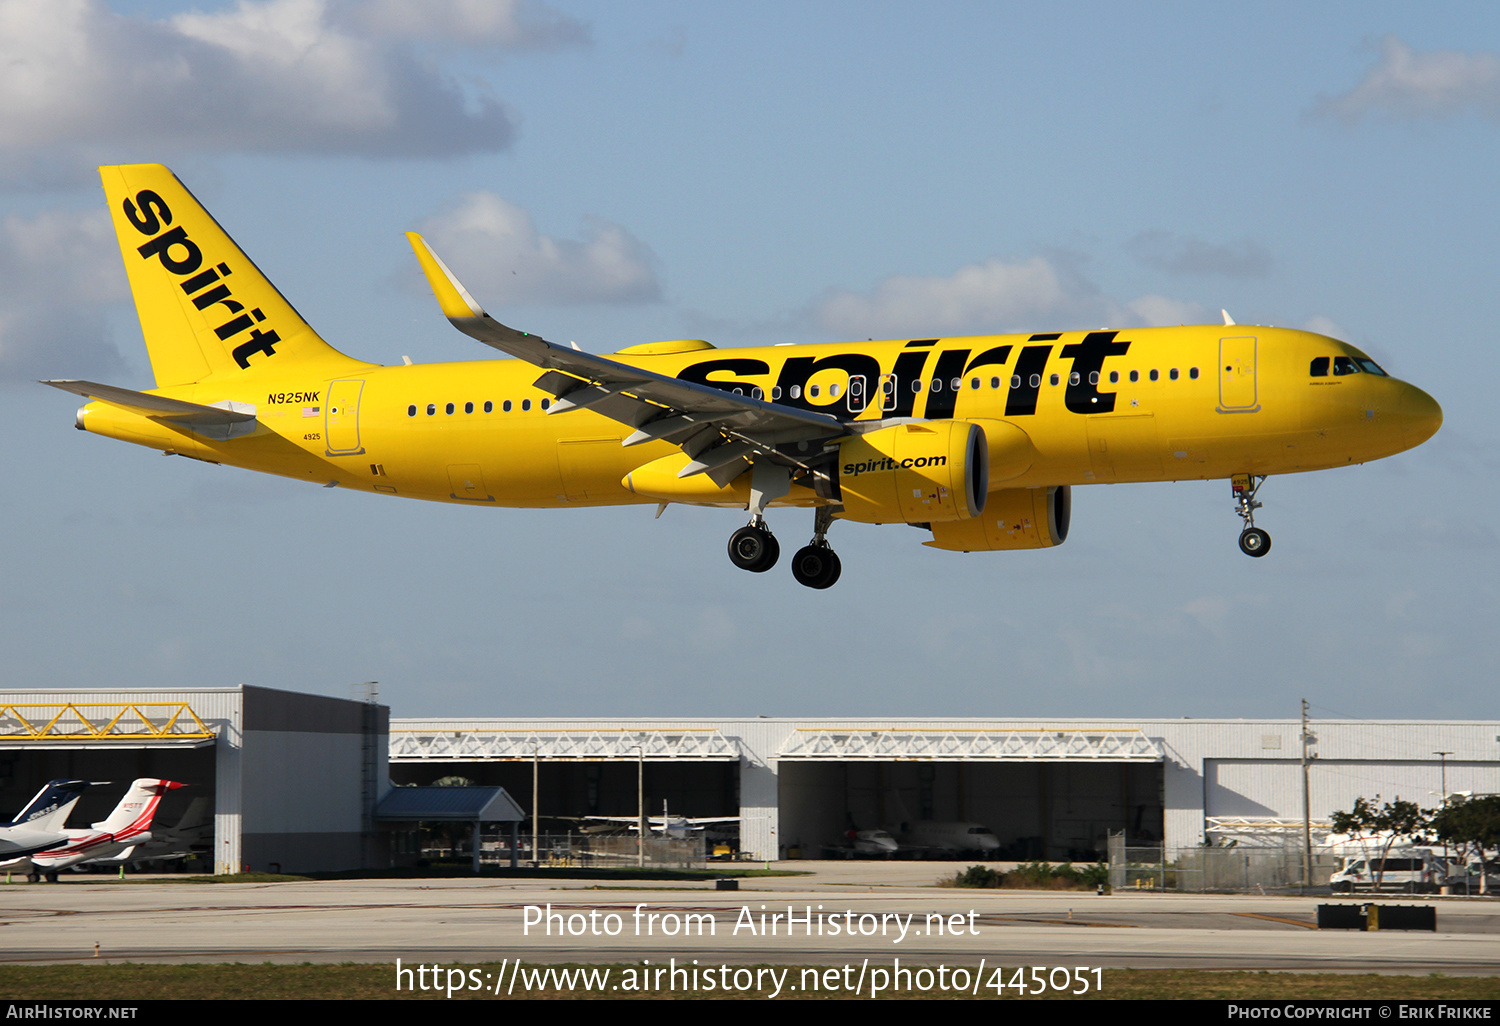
x,y
1014,518
920,473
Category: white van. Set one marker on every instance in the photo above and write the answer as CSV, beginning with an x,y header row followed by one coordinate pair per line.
x,y
1412,872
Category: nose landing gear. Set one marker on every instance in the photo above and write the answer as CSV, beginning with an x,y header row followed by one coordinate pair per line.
x,y
1253,541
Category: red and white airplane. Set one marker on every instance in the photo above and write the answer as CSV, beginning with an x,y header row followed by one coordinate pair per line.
x,y
128,825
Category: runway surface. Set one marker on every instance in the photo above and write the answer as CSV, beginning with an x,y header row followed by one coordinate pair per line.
x,y
846,913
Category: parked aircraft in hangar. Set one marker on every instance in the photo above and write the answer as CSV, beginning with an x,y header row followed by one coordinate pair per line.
x,y
978,441
128,825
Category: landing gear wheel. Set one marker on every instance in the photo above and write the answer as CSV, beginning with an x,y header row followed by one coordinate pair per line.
x,y
52,877
33,877
753,548
1255,542
816,566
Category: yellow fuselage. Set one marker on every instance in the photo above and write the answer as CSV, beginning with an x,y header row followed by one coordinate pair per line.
x,y
1150,404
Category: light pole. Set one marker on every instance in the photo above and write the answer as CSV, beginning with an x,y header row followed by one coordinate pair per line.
x,y
640,805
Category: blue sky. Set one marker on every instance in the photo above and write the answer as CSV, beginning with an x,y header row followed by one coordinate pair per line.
x,y
755,173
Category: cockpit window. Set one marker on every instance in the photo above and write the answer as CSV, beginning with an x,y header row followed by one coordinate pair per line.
x,y
1344,365
1319,368
1371,367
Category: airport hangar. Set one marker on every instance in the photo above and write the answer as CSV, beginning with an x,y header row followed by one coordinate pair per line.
x,y
297,779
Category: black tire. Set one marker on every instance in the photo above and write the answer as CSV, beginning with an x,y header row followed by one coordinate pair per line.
x,y
1255,542
816,566
33,877
753,549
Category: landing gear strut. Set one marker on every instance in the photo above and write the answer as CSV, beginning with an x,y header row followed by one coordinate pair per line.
x,y
1253,541
815,565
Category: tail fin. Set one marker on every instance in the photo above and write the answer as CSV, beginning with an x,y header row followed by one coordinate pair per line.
x,y
49,809
136,810
206,310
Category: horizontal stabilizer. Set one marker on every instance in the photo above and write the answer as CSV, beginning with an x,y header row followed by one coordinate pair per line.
x,y
221,420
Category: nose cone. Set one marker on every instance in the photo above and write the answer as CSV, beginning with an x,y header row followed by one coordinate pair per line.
x,y
1420,416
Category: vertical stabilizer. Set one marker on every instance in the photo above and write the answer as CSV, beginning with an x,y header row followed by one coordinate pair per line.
x,y
132,817
49,809
206,310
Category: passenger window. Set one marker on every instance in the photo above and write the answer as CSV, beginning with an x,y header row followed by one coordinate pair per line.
x,y
1073,378
1015,381
1155,374
525,404
431,409
974,383
937,384
833,390
448,409
411,411
1193,373
489,407
505,406
796,392
1172,373
468,407
1114,377
956,384
1093,377
994,382
756,393
775,392
812,391
1036,381
1319,368
1135,376
546,403
1053,379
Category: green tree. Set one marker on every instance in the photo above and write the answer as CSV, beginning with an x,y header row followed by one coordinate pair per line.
x,y
1470,825
1388,822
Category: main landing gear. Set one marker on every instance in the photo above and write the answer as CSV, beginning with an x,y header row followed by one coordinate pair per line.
x,y
754,548
816,565
1253,541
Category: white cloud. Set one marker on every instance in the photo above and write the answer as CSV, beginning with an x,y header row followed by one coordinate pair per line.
x,y
988,296
1183,254
995,296
512,24
1411,84
57,270
512,262
264,75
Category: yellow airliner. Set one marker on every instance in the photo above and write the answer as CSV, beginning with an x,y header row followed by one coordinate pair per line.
x,y
977,440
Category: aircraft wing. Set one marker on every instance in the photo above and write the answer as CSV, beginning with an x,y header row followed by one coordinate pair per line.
x,y
717,429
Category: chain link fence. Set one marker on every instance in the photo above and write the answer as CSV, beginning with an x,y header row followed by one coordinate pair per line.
x,y
1200,869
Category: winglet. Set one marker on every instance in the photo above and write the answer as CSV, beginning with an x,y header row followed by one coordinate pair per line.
x,y
451,295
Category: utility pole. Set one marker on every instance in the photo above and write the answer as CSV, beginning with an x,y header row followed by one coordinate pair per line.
x,y
1307,739
536,859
